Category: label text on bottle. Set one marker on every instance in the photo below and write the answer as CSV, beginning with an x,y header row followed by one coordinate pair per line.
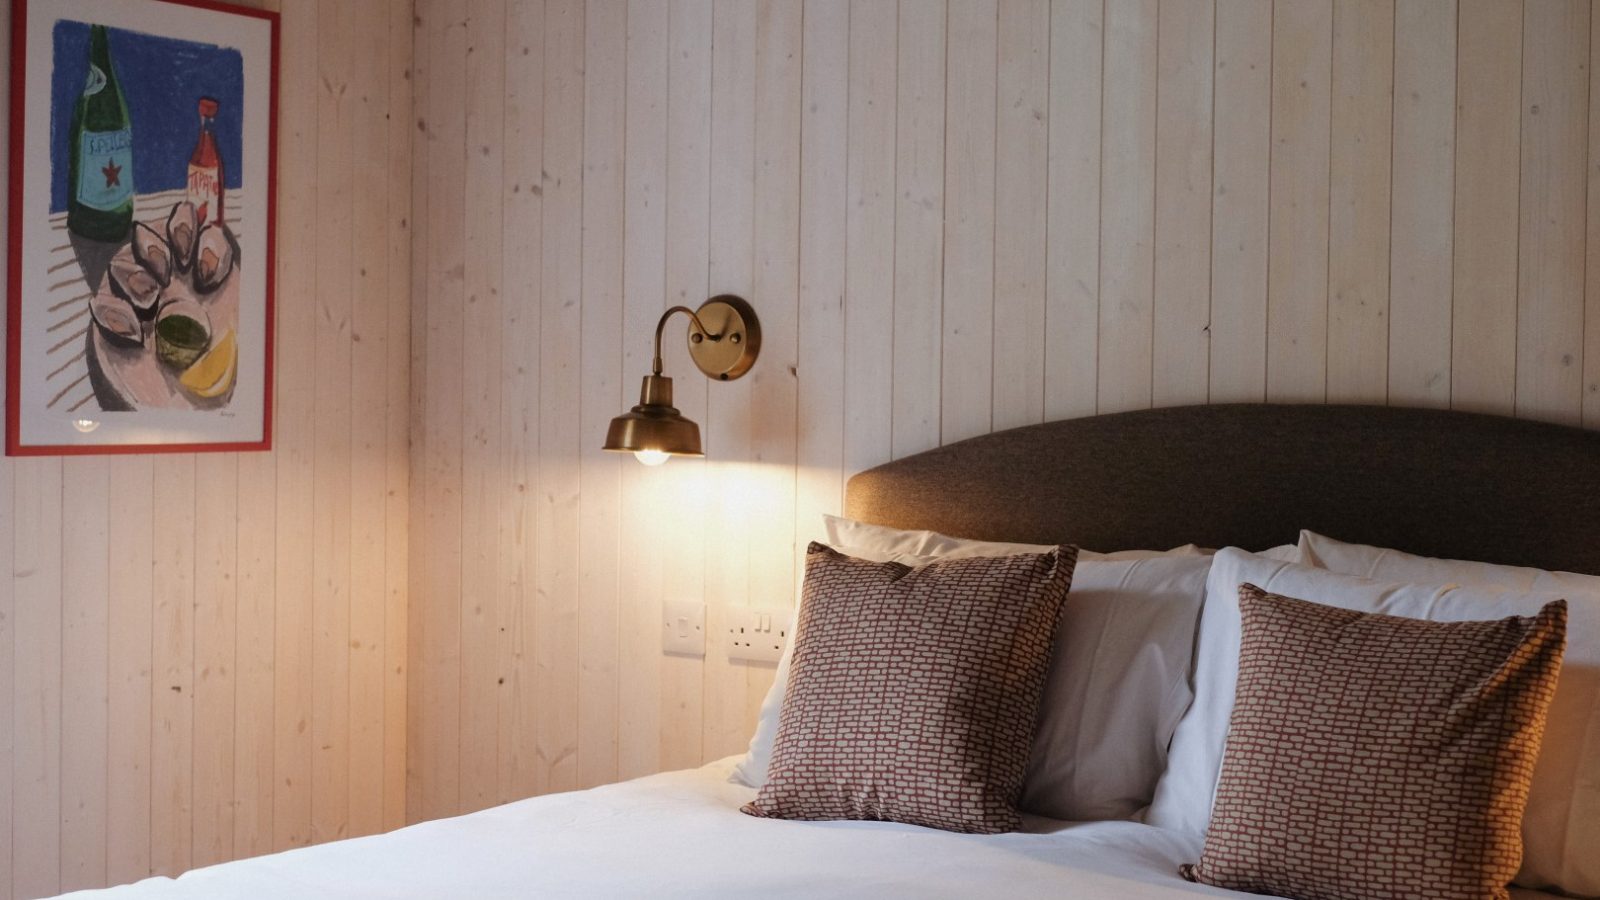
x,y
105,172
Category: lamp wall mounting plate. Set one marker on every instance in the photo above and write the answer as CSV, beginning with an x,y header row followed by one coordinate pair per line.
x,y
725,339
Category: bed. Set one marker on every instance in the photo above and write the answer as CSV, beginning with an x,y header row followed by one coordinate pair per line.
x,y
680,834
1432,482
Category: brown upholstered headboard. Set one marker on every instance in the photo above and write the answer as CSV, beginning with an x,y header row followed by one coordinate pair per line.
x,y
1427,481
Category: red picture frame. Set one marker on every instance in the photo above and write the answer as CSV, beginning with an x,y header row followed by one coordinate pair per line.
x,y
16,445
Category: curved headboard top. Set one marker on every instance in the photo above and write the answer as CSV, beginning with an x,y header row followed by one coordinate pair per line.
x,y
1434,482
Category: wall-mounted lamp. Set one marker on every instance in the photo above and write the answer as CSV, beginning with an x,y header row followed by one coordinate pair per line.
x,y
724,340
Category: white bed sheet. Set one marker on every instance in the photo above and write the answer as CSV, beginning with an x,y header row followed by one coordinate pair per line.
x,y
680,834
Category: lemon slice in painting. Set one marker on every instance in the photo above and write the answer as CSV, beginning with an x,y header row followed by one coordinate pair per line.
x,y
212,375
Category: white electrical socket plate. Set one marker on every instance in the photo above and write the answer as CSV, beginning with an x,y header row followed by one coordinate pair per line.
x,y
757,634
683,628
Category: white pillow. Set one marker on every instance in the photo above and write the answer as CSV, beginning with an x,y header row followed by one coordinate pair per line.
x,y
1393,565
1183,796
1117,686
1561,829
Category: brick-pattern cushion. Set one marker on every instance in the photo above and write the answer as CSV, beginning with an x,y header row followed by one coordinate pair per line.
x,y
1372,757
913,692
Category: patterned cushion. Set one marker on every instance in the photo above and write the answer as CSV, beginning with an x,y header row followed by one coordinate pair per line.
x,y
1371,756
913,693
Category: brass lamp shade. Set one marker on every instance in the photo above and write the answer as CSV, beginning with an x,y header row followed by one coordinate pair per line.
x,y
654,426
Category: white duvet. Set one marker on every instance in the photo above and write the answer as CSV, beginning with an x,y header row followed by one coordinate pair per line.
x,y
681,834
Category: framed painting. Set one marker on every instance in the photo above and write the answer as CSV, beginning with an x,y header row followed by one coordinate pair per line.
x,y
142,160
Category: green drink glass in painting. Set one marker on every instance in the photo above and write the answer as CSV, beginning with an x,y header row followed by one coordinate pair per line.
x,y
101,154
140,301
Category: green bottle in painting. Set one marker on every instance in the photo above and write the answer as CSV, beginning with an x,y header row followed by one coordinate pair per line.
x,y
100,171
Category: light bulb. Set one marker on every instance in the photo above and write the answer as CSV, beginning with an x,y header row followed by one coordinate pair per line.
x,y
85,425
651,457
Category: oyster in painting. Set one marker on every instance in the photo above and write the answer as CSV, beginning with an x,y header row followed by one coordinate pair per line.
x,y
116,319
134,283
152,252
215,253
182,227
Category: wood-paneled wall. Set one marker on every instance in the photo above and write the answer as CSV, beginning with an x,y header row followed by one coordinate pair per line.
x,y
953,216
202,656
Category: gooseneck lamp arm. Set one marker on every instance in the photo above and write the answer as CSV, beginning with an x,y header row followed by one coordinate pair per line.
x,y
724,340
655,363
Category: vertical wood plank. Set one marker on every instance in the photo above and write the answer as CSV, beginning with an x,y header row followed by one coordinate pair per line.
x,y
773,434
253,665
824,156
254,532
823,191
130,508
688,256
1424,202
484,184
1297,269
1591,287
397,531
85,655
1022,151
1186,42
1072,313
556,613
1364,82
172,667
370,308
215,671
1127,211
1243,150
1483,321
869,226
1555,134
36,682
294,400
397,528
727,434
522,162
330,497
418,693
966,367
642,531
438,738
602,354
919,226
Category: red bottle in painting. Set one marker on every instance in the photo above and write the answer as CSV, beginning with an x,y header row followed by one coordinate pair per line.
x,y
205,168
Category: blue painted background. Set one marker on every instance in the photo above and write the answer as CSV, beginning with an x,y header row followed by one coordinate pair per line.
x,y
162,80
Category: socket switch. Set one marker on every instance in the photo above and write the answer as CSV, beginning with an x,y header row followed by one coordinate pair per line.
x,y
757,634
